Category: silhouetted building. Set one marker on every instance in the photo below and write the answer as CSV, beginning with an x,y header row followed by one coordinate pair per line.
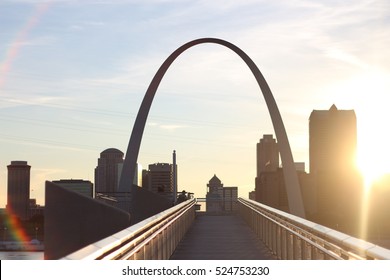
x,y
220,198
145,179
36,209
108,170
267,154
159,179
332,140
269,183
332,152
307,183
214,195
378,228
271,190
18,189
230,195
80,186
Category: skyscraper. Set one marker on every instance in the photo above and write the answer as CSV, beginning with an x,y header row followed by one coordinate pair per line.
x,y
161,179
269,183
332,152
107,170
267,154
18,189
332,140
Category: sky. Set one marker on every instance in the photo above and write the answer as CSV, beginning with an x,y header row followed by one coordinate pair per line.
x,y
73,75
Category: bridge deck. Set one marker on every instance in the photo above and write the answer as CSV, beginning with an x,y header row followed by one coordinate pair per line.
x,y
220,238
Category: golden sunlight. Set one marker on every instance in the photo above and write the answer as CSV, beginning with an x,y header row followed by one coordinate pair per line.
x,y
367,93
371,168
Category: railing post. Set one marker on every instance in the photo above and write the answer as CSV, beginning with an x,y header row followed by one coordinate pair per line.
x,y
139,255
164,243
172,238
268,233
318,254
160,246
297,248
278,251
290,246
284,244
306,251
147,251
274,237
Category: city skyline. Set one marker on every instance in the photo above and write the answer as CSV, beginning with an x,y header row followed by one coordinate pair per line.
x,y
72,76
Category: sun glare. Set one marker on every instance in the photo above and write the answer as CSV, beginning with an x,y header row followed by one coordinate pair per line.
x,y
370,171
366,93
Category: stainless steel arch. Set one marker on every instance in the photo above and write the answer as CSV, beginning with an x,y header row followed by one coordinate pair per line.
x,y
289,171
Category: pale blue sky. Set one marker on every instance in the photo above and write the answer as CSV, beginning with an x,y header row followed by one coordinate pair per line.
x,y
73,74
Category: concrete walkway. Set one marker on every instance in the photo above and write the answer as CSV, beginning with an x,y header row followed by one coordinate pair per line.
x,y
220,238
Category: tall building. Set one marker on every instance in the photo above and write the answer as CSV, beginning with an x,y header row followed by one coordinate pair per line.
x,y
332,139
332,153
18,189
160,179
271,189
269,184
80,186
107,170
267,154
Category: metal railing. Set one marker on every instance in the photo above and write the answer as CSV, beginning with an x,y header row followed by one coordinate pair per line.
x,y
291,237
152,239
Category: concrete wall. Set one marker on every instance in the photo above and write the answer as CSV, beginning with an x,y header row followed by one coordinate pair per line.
x,y
145,203
72,221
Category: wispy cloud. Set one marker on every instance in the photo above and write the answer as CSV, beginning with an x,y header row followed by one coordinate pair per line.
x,y
168,127
37,41
48,101
171,127
86,25
345,57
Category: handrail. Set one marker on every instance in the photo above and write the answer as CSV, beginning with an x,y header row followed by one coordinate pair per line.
x,y
292,237
153,238
286,235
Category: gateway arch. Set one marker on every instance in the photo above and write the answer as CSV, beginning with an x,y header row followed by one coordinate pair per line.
x,y
289,171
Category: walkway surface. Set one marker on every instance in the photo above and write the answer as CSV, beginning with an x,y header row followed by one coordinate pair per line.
x,y
220,238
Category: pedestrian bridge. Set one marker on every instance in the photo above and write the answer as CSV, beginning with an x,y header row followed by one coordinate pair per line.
x,y
254,232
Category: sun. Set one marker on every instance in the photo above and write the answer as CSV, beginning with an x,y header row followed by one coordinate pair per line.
x,y
371,173
373,136
373,154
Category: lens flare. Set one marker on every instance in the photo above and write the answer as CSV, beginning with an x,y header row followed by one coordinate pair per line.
x,y
15,45
15,230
